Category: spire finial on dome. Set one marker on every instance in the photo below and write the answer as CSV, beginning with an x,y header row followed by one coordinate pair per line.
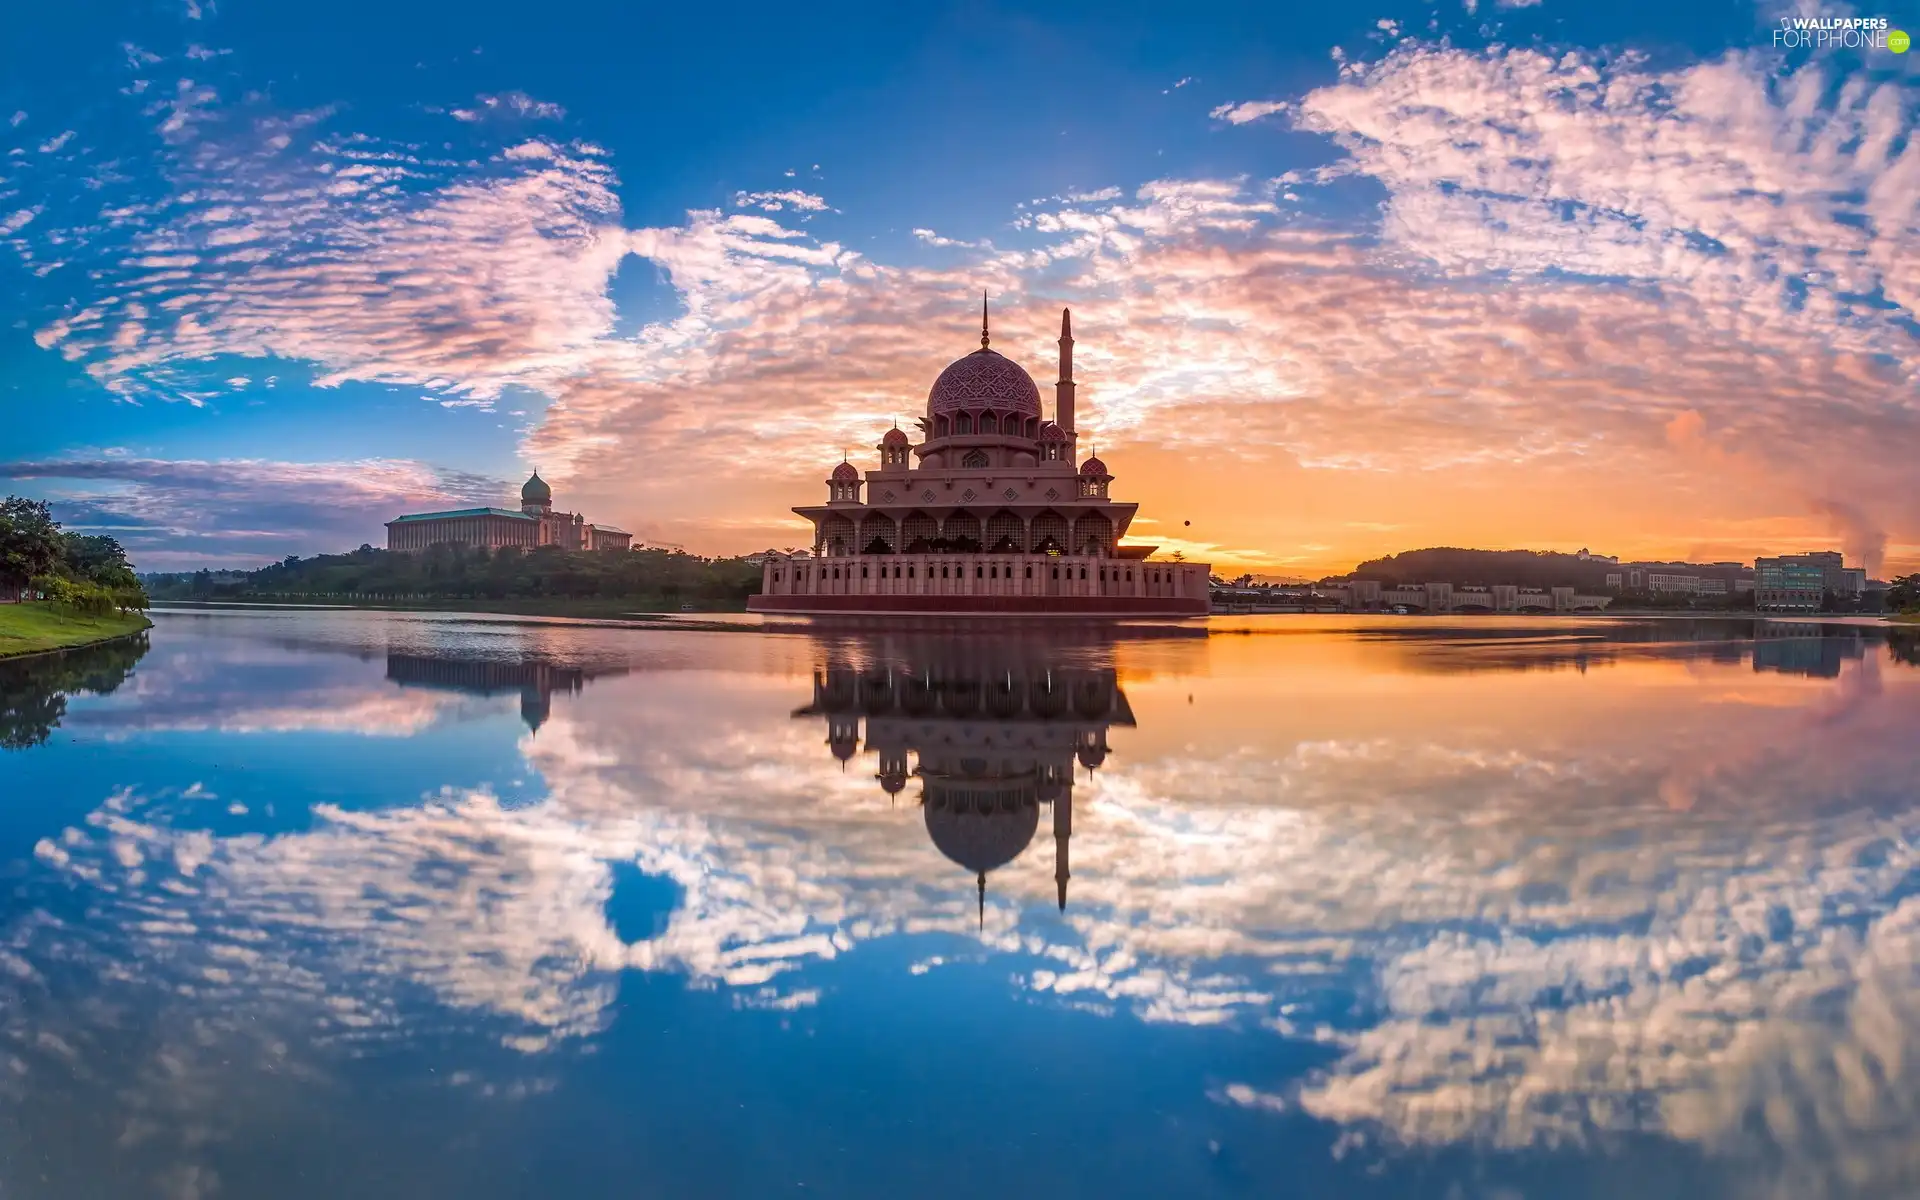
x,y
983,318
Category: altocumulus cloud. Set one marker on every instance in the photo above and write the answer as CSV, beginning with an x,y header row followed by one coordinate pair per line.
x,y
1693,285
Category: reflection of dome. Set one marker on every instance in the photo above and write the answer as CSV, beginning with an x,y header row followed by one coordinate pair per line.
x,y
536,491
895,437
982,841
984,379
846,472
1093,466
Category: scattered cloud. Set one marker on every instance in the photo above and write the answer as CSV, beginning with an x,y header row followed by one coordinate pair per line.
x,y
510,104
1248,110
778,201
932,238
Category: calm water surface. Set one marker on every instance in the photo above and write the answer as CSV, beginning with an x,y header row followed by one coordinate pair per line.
x,y
317,904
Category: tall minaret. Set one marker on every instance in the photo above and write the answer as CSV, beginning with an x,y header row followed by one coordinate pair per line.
x,y
1063,390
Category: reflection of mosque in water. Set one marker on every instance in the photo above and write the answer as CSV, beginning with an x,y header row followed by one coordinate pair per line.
x,y
536,681
993,747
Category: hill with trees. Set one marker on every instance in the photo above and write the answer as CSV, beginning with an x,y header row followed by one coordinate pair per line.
x,y
1452,564
638,578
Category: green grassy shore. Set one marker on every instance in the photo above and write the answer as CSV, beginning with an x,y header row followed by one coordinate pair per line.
x,y
36,628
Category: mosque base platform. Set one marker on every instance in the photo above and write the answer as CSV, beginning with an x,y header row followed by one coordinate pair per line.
x,y
979,606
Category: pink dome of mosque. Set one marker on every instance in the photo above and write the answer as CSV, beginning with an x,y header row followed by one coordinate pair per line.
x,y
895,437
984,379
1052,433
1093,466
846,472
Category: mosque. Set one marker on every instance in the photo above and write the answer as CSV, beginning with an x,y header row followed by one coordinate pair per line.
x,y
994,744
534,525
999,515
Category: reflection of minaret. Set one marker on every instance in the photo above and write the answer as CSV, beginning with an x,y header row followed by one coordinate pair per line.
x,y
1062,832
995,746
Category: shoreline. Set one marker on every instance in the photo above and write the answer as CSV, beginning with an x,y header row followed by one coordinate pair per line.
x,y
41,623
644,621
638,608
1217,623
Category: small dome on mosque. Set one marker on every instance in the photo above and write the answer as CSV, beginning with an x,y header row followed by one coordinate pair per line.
x,y
981,841
535,490
895,437
984,379
1093,466
1052,433
846,472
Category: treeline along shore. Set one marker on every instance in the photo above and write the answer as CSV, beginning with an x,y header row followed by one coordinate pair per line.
x,y
547,579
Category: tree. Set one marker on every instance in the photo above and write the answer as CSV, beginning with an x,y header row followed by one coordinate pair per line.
x,y
99,559
30,543
1904,593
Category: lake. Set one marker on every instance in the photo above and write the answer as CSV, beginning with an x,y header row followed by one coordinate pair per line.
x,y
341,903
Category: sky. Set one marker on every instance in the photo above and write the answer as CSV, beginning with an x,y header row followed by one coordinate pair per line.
x,y
1346,279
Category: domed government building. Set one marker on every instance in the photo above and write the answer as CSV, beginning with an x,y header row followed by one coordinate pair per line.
x,y
534,525
998,515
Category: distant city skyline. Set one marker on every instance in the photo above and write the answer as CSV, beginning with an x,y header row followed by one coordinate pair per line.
x,y
1350,280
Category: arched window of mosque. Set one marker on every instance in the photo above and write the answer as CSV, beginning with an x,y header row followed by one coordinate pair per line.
x,y
963,423
974,459
988,424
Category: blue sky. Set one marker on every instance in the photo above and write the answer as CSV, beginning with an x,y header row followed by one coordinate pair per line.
x,y
275,273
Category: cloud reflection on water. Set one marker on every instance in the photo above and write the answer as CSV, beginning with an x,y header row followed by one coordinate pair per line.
x,y
1519,908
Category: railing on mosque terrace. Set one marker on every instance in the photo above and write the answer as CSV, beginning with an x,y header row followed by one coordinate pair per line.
x,y
803,574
